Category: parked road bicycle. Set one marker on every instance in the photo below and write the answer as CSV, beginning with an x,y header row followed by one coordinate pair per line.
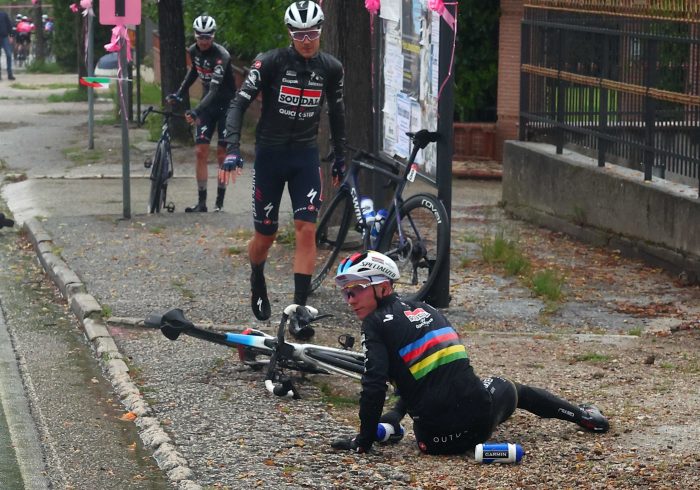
x,y
414,233
259,350
161,163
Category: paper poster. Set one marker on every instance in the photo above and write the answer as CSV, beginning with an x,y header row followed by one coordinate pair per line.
x,y
390,10
403,125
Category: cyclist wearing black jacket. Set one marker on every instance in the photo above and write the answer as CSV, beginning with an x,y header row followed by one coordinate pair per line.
x,y
294,83
211,63
413,346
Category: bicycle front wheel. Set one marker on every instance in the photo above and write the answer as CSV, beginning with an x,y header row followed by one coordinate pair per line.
x,y
335,231
158,176
417,242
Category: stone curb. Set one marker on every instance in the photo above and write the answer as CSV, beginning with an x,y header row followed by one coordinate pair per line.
x,y
89,312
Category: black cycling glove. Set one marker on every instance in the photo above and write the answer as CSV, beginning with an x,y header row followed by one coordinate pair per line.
x,y
350,443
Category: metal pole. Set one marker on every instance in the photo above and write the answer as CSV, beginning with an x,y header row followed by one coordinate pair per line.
x,y
138,73
439,294
123,98
91,91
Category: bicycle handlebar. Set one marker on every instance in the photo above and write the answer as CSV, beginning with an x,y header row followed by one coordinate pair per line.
x,y
150,109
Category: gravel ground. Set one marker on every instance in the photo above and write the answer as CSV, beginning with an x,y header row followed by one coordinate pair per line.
x,y
624,336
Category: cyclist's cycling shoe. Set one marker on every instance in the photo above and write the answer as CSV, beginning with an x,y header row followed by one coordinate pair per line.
x,y
258,296
200,207
592,419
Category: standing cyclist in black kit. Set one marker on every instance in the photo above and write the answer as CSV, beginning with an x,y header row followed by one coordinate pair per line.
x,y
294,82
212,64
413,346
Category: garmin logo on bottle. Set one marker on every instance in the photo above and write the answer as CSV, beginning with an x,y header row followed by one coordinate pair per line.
x,y
292,96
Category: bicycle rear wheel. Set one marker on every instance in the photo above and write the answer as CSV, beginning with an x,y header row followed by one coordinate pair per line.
x,y
335,231
423,247
156,197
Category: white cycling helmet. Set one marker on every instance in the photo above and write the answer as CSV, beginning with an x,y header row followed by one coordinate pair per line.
x,y
372,266
204,24
303,15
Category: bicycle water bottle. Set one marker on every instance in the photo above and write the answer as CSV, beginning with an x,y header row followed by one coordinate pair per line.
x,y
379,219
498,452
385,431
367,206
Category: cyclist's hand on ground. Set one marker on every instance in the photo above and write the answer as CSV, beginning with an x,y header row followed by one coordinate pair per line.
x,y
173,99
190,117
338,171
349,444
233,161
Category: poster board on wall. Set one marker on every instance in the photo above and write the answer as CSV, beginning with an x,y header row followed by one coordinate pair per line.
x,y
409,78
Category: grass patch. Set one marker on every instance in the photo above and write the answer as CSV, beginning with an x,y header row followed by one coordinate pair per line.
x,y
179,284
106,311
593,357
75,95
287,235
548,284
37,66
235,250
330,397
502,251
156,230
636,331
82,156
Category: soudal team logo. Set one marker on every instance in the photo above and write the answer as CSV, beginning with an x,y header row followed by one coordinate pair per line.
x,y
416,315
293,96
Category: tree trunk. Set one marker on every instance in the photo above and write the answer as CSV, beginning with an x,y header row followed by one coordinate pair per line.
x,y
40,39
347,37
173,62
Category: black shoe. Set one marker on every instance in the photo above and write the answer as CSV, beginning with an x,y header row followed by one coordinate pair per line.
x,y
220,193
258,296
200,207
218,207
10,77
6,221
592,419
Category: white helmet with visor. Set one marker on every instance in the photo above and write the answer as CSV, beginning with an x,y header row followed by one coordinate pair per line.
x,y
372,267
303,15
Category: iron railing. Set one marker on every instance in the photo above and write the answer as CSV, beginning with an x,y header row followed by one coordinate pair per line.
x,y
622,85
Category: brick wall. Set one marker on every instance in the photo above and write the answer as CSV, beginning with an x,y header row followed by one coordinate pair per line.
x,y
508,105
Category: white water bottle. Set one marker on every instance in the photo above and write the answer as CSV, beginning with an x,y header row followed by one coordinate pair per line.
x,y
385,431
367,206
499,452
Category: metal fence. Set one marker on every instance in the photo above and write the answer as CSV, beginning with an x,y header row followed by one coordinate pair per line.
x,y
621,84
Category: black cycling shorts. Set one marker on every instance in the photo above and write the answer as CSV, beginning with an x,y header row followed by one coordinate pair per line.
x,y
213,117
300,169
477,428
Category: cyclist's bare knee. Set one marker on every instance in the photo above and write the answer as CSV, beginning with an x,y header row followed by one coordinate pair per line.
x,y
259,246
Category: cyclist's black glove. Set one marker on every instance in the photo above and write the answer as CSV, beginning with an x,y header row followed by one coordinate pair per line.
x,y
233,159
394,419
173,98
338,168
350,444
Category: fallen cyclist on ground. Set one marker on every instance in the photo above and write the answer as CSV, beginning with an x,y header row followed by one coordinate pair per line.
x,y
413,346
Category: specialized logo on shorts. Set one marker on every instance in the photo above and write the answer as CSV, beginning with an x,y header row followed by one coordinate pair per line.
x,y
293,96
268,209
416,315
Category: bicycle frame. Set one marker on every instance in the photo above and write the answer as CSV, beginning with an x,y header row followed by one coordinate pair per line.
x,y
307,358
350,184
163,144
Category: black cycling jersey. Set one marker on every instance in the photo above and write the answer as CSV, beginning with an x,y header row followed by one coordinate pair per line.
x,y
214,69
413,345
293,91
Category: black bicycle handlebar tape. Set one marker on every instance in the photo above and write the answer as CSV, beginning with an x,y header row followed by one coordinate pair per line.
x,y
423,137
